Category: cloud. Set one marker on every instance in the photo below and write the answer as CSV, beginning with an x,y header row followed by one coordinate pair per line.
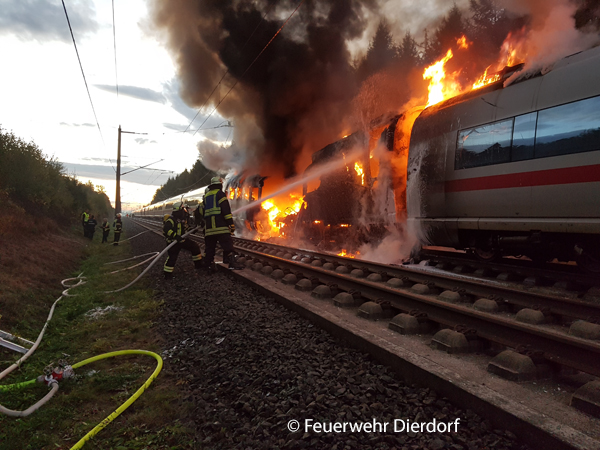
x,y
102,160
106,172
143,141
174,126
77,124
171,91
45,20
135,92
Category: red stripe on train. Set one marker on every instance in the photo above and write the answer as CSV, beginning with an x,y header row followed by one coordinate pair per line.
x,y
567,175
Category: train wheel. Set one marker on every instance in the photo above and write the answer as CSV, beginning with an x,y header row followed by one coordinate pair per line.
x,y
488,254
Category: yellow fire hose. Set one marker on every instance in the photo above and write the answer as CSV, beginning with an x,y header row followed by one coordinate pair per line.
x,y
129,401
116,412
133,398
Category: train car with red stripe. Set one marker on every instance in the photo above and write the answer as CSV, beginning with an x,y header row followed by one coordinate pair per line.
x,y
513,170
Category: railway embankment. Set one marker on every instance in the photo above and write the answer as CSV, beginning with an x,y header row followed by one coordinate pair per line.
x,y
35,255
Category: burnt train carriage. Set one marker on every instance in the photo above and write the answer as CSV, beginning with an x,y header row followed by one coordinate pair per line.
x,y
353,203
241,190
513,170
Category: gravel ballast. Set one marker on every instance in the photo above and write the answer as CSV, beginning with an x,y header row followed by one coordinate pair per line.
x,y
250,367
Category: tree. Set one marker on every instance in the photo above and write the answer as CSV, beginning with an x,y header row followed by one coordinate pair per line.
x,y
186,181
408,53
489,25
588,14
381,52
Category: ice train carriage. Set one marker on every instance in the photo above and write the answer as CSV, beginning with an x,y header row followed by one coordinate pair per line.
x,y
240,190
158,210
515,170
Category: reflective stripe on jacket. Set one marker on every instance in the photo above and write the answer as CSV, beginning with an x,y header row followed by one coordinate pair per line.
x,y
118,225
174,226
216,211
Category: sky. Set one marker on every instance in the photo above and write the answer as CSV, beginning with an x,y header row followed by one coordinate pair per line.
x,y
44,97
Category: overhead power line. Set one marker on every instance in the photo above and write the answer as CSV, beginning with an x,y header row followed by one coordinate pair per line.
x,y
227,71
82,73
115,48
251,64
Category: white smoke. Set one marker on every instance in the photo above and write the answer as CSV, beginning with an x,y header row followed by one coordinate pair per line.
x,y
221,159
552,36
394,248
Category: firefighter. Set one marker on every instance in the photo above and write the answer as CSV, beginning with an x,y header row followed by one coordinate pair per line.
x,y
105,230
84,220
118,226
175,226
219,227
91,227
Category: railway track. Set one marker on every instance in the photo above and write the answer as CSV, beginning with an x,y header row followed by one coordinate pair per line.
x,y
339,293
533,322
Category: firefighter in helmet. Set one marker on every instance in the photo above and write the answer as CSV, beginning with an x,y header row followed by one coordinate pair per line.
x,y
175,226
216,213
118,227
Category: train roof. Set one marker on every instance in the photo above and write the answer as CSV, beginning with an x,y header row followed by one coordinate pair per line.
x,y
512,76
571,79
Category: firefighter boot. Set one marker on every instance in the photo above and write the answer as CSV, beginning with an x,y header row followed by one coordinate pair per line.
x,y
212,268
199,265
168,276
233,264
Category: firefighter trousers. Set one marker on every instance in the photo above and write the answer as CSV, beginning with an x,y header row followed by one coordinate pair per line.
x,y
211,247
173,253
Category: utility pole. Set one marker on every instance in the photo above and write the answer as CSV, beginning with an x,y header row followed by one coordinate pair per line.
x,y
118,190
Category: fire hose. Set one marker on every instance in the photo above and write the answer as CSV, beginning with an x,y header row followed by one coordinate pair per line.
x,y
52,379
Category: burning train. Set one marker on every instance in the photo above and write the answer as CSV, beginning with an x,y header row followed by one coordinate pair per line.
x,y
513,170
499,170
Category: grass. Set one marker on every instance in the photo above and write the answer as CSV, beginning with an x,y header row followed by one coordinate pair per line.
x,y
154,421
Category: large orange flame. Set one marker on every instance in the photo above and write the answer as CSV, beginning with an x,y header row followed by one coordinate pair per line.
x,y
360,172
277,210
347,254
462,42
440,87
484,79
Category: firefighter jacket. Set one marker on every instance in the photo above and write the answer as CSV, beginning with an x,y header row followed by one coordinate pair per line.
x,y
216,211
118,226
175,226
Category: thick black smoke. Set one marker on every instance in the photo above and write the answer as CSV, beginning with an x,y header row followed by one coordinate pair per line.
x,y
296,96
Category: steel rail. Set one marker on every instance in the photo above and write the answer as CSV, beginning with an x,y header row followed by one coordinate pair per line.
x,y
560,348
561,306
523,268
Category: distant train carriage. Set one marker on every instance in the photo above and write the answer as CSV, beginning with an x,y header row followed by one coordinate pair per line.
x,y
513,170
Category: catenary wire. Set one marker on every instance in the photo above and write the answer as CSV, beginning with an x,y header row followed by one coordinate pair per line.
x,y
115,49
251,64
227,71
82,72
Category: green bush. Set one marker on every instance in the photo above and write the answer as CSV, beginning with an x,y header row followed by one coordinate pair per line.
x,y
39,186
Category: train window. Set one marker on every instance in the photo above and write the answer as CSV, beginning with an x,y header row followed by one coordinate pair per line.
x,y
570,128
484,145
523,137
